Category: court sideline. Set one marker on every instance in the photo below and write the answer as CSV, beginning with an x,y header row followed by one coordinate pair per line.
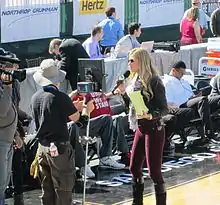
x,y
200,191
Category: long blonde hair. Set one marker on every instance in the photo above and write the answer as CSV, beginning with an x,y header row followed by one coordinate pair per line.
x,y
146,71
193,13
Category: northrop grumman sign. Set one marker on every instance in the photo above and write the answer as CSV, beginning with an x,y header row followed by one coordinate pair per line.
x,y
88,13
92,6
30,22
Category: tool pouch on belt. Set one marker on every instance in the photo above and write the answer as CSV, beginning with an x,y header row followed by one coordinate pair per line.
x,y
34,168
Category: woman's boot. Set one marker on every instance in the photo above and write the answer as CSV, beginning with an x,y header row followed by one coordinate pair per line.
x,y
161,194
138,189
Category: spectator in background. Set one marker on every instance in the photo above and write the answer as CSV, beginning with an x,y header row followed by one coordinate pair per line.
x,y
203,18
112,29
69,51
190,28
102,124
215,21
91,44
215,83
179,94
128,42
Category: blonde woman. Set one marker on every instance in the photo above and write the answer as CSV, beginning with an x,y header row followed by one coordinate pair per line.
x,y
149,136
191,31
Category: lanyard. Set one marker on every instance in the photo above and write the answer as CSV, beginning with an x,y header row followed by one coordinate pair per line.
x,y
132,42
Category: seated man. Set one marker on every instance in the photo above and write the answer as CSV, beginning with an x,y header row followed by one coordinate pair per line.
x,y
91,44
215,84
102,124
128,42
180,95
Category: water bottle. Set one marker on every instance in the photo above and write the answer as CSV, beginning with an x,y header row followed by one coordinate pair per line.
x,y
53,150
112,52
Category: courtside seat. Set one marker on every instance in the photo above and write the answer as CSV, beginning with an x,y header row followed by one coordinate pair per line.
x,y
194,127
118,108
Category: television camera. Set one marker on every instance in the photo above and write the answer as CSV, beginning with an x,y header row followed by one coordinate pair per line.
x,y
7,60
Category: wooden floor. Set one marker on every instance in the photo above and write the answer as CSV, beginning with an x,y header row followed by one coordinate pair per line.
x,y
201,191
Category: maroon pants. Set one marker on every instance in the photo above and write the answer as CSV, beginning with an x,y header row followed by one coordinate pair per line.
x,y
148,142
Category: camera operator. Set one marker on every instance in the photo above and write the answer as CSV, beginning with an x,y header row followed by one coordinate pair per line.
x,y
8,134
10,65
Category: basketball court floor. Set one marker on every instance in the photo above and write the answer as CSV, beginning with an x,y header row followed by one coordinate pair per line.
x,y
191,179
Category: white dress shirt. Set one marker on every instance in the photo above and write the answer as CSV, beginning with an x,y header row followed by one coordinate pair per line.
x,y
125,45
177,91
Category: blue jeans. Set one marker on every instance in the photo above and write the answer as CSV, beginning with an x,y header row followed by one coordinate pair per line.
x,y
6,153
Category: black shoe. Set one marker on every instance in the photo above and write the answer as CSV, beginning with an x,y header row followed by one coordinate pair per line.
x,y
160,194
19,199
215,138
138,189
125,159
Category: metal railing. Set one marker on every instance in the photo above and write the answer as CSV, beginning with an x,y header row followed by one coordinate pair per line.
x,y
15,3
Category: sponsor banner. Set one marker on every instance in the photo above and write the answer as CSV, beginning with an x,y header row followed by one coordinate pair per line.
x,y
209,66
30,22
87,13
153,13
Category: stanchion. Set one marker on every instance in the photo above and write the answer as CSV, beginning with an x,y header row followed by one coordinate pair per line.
x,y
87,147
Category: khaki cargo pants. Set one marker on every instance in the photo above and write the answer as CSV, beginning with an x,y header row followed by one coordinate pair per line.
x,y
57,175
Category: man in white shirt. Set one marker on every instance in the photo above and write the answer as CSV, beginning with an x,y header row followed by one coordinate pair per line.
x,y
179,94
128,42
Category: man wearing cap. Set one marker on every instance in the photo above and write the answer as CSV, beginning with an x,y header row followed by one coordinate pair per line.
x,y
179,94
12,64
8,123
51,109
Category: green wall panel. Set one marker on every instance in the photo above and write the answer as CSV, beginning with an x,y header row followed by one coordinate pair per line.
x,y
66,19
131,11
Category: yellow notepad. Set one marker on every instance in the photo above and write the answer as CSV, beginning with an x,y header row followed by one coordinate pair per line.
x,y
138,103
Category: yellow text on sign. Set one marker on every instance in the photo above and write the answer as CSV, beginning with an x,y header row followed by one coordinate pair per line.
x,y
92,6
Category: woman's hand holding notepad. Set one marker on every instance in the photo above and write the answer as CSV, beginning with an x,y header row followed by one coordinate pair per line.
x,y
139,105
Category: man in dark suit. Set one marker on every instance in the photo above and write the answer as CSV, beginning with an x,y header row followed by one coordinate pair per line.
x,y
68,51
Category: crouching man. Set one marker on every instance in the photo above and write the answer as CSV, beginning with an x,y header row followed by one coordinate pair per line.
x,y
51,110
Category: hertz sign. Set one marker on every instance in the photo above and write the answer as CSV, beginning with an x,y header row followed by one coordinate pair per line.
x,y
92,6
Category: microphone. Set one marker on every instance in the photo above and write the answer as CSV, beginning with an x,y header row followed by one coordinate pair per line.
x,y
121,79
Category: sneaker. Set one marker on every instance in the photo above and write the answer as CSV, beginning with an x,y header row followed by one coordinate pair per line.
x,y
110,163
215,138
89,172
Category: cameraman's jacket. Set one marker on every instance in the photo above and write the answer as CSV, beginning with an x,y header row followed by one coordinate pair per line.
x,y
8,115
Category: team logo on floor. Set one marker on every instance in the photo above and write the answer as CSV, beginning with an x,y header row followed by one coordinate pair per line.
x,y
167,167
